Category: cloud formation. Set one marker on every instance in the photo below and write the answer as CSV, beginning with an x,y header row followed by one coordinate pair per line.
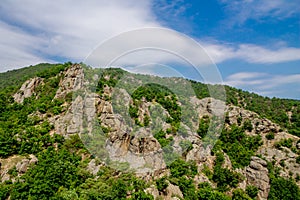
x,y
259,10
264,83
251,53
47,31
68,29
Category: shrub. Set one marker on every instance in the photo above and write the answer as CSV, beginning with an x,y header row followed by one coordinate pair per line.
x,y
284,143
248,125
252,191
161,138
161,184
239,194
239,146
270,136
298,159
203,126
179,168
283,189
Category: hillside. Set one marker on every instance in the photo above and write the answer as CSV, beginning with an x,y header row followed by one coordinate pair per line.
x,y
68,131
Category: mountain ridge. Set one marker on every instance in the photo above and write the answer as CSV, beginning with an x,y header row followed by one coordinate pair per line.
x,y
248,153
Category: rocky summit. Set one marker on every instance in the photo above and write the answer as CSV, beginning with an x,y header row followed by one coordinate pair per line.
x,y
73,132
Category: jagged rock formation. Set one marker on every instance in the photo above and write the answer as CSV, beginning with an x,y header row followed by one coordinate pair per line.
x,y
27,89
208,106
93,167
73,80
21,165
141,149
137,146
257,174
172,192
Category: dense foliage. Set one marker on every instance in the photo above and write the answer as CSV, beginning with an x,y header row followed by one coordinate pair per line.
x,y
60,174
161,95
283,189
21,128
109,77
238,146
59,170
224,177
15,78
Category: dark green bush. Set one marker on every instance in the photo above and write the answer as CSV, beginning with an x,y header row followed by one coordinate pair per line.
x,y
270,136
284,143
283,189
161,184
252,191
239,146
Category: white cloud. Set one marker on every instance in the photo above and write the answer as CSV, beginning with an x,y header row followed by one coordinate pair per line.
x,y
252,53
170,8
264,83
67,28
42,30
242,10
156,45
14,50
257,54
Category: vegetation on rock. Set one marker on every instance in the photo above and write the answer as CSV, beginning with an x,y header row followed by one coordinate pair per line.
x,y
63,167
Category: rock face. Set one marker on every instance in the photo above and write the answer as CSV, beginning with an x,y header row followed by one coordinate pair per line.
x,y
172,192
237,115
27,89
139,148
73,80
70,122
257,174
93,167
21,164
208,106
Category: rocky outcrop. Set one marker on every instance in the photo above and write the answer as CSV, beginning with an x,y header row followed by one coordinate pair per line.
x,y
153,191
125,142
208,106
143,110
71,122
73,80
24,164
283,157
199,154
21,165
257,174
172,192
27,89
141,151
135,146
237,115
94,167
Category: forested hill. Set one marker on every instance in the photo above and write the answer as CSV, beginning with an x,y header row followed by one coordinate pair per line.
x,y
16,78
158,151
285,112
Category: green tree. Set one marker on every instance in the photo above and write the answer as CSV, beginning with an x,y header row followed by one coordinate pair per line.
x,y
283,189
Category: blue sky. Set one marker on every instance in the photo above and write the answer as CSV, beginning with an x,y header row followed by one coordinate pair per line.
x,y
254,43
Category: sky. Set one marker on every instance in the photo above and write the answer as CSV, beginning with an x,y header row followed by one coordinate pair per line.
x,y
255,44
